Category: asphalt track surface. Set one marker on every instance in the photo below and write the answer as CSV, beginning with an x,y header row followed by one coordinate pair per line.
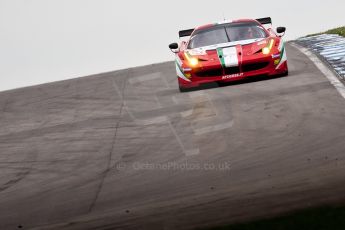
x,y
126,150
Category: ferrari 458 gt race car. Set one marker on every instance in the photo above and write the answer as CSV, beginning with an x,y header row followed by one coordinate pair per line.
x,y
228,51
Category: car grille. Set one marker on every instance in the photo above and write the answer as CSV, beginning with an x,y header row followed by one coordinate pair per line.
x,y
232,70
209,73
254,66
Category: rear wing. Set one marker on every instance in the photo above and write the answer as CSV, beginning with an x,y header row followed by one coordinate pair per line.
x,y
185,33
263,21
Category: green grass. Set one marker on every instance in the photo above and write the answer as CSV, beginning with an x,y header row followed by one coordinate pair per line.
x,y
340,31
322,218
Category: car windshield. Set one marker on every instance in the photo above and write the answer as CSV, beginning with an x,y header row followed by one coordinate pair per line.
x,y
226,33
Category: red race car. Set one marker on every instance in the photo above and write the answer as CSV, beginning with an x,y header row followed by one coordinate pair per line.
x,y
229,51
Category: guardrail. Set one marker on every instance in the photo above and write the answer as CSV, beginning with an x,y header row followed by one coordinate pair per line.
x,y
330,47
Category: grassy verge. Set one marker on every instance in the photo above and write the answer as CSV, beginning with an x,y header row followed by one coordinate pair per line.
x,y
324,218
340,31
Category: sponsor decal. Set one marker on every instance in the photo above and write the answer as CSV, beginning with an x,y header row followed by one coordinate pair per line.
x,y
228,56
186,69
274,56
232,76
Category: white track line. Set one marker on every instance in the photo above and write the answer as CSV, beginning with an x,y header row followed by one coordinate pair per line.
x,y
324,69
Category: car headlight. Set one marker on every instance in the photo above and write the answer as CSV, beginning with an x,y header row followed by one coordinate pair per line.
x,y
193,61
268,48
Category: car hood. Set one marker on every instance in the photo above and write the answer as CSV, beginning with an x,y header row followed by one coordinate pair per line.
x,y
249,47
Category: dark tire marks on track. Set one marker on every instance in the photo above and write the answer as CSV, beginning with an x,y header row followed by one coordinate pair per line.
x,y
61,145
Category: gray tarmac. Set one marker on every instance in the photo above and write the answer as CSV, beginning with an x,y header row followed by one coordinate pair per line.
x,y
127,150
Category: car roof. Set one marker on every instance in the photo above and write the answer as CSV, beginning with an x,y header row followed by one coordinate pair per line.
x,y
224,22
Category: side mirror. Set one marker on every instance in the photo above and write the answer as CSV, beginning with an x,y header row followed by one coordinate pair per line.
x,y
281,30
173,46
